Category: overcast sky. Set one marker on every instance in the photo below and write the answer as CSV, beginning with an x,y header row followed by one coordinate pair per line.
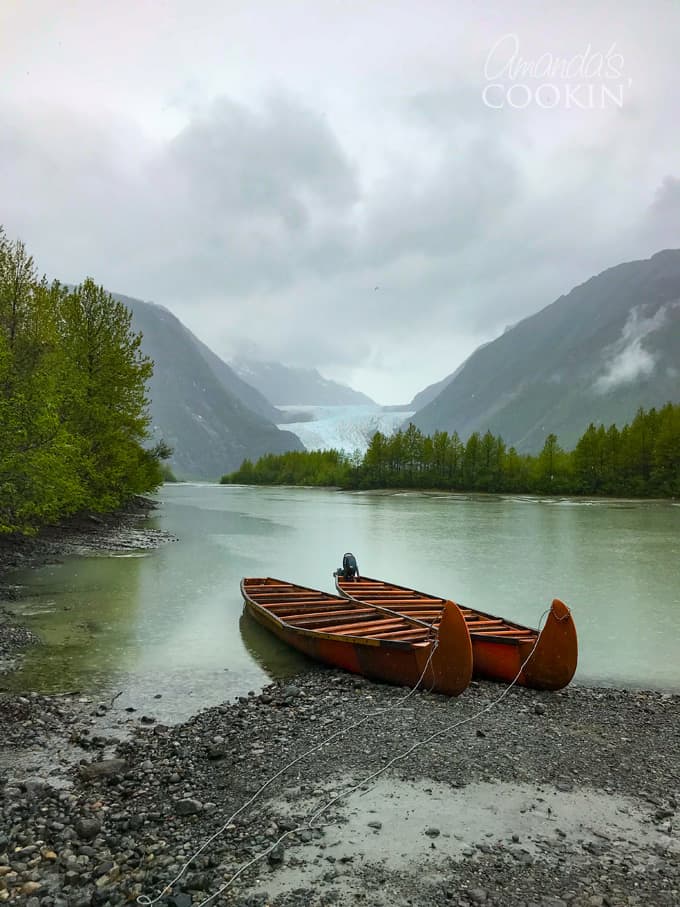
x,y
371,188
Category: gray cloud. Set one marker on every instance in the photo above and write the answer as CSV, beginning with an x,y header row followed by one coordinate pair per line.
x,y
664,212
269,218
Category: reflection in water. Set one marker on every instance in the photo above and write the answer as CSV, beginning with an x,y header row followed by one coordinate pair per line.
x,y
170,624
273,655
86,613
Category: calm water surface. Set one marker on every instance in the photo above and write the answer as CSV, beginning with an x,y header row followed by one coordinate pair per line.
x,y
170,622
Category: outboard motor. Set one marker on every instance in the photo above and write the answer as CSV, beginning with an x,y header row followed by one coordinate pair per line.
x,y
350,568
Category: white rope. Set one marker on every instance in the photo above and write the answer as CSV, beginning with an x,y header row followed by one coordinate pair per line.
x,y
148,902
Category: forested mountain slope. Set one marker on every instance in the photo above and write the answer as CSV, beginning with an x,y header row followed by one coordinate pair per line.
x,y
595,355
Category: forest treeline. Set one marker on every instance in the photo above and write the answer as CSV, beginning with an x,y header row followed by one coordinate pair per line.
x,y
642,459
73,405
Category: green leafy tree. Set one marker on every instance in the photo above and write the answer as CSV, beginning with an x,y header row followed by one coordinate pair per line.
x,y
106,405
73,407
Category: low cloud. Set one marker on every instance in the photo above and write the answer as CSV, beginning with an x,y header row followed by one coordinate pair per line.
x,y
630,361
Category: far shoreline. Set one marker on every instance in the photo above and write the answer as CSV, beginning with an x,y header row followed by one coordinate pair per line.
x,y
439,492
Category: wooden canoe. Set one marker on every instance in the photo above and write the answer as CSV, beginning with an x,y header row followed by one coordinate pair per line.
x,y
499,647
364,639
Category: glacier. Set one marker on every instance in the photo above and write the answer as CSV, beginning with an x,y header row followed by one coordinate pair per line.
x,y
346,428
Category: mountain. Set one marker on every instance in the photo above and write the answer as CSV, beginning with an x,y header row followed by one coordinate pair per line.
x,y
231,382
196,405
285,386
595,355
432,391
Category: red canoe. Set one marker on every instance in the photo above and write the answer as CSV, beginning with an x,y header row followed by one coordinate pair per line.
x,y
368,640
499,647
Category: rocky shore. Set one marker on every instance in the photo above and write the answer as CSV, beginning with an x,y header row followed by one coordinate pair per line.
x,y
556,799
122,530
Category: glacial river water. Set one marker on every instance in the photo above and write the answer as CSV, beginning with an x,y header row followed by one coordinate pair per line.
x,y
165,628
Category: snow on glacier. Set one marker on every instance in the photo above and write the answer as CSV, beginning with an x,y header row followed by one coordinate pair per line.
x,y
346,428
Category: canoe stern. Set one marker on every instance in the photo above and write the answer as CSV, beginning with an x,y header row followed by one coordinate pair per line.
x,y
450,670
553,663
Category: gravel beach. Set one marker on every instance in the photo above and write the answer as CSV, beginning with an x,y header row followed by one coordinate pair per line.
x,y
544,799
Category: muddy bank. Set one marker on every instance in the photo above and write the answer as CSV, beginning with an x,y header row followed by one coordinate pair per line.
x,y
122,530
568,798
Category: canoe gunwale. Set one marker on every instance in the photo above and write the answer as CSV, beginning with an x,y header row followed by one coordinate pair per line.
x,y
415,592
291,629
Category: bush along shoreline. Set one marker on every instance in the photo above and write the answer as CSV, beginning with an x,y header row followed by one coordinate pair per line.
x,y
74,417
640,460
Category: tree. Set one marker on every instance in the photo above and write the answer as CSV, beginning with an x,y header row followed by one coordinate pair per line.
x,y
666,454
471,460
375,458
551,467
106,406
413,451
38,468
587,461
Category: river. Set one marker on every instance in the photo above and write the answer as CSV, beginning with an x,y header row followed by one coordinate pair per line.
x,y
165,628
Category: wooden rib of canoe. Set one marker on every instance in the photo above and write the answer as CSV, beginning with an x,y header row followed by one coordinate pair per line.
x,y
499,647
365,639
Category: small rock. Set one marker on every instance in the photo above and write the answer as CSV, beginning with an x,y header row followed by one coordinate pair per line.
x,y
291,691
187,807
432,832
539,708
275,856
87,829
180,900
375,824
661,814
216,751
107,768
477,895
38,788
